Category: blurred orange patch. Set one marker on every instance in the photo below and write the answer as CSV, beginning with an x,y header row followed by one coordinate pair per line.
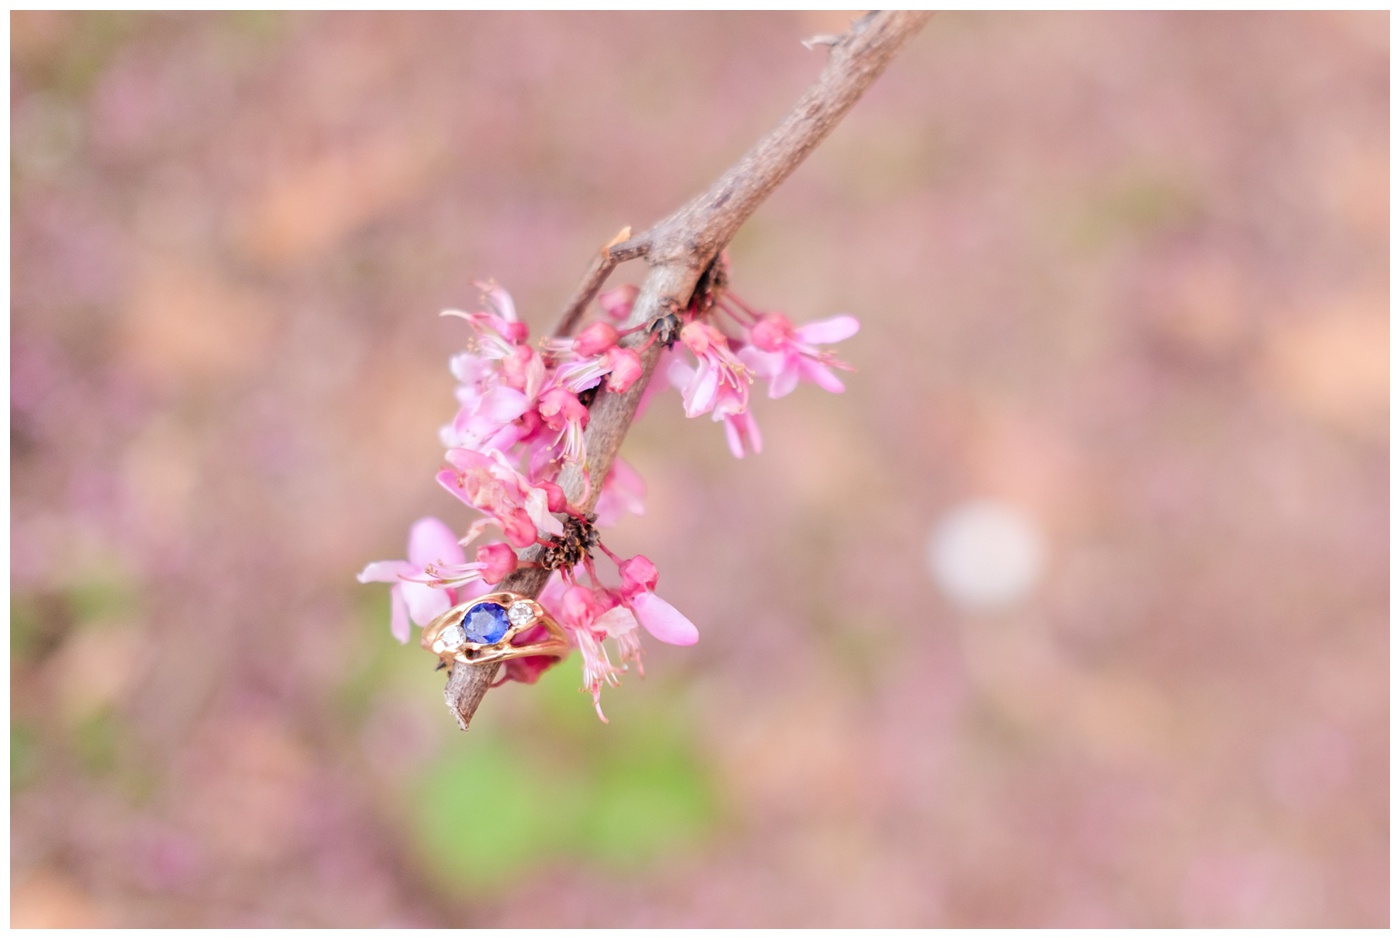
x,y
1334,367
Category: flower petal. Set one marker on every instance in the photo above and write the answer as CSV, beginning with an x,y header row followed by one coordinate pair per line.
x,y
763,364
679,372
537,507
740,428
616,622
825,332
784,381
664,621
623,492
398,615
699,395
821,376
384,572
431,541
498,299
501,405
424,603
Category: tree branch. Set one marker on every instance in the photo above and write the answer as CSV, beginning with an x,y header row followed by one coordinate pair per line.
x,y
679,250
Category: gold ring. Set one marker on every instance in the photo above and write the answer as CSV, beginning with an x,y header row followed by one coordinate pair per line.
x,y
480,631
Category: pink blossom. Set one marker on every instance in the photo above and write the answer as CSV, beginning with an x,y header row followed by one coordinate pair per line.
x,y
496,560
488,483
624,368
623,491
665,622
562,411
617,303
590,618
730,405
598,338
785,355
498,329
620,366
500,379
431,544
519,420
484,416
720,380
741,429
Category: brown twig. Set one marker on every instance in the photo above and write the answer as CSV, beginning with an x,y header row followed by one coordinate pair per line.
x,y
678,250
622,248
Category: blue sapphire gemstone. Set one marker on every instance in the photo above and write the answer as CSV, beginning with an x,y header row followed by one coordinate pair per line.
x,y
485,623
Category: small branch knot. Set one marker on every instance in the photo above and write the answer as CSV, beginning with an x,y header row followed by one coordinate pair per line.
x,y
577,542
667,327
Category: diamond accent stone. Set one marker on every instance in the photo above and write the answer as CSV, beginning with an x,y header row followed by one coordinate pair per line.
x,y
452,638
485,623
521,614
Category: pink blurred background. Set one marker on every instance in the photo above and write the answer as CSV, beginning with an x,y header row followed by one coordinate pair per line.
x,y
1124,285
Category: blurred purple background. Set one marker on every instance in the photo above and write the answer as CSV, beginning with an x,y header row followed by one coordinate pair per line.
x,y
1072,611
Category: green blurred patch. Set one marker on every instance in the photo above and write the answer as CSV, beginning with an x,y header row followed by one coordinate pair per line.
x,y
267,25
39,621
382,654
81,58
650,801
485,813
30,637
558,785
1136,203
98,742
24,755
102,599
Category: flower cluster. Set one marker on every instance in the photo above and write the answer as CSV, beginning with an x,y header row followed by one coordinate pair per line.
x,y
522,411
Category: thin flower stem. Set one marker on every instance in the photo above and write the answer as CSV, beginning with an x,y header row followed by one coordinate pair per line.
x,y
678,251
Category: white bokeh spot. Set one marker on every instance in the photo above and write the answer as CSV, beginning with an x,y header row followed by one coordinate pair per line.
x,y
986,555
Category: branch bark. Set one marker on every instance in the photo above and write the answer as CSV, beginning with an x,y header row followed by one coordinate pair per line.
x,y
678,251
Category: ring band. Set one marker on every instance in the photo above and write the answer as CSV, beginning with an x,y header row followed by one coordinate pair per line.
x,y
480,631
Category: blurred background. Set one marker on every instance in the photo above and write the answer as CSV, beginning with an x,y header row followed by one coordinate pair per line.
x,y
1072,611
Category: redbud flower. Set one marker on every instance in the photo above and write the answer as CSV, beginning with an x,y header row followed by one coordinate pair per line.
x,y
519,420
729,404
562,411
484,416
486,482
624,368
741,429
720,378
623,491
784,355
600,337
496,560
657,617
617,302
590,617
412,597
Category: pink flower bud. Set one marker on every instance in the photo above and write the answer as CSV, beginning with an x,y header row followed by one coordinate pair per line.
x,y
625,367
617,302
496,560
517,332
516,367
557,502
519,528
595,339
771,332
700,338
638,574
577,606
559,406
